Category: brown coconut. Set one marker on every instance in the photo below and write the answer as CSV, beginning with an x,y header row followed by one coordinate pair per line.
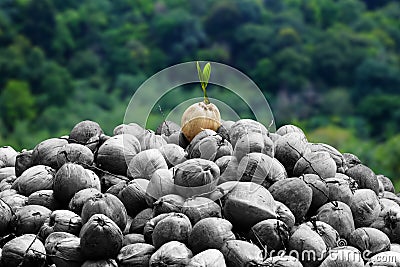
x,y
200,116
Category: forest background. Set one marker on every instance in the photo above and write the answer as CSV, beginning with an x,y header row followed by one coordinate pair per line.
x,y
331,67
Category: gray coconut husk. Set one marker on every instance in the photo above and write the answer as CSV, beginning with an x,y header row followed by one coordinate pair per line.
x,y
100,263
209,258
61,221
303,240
253,142
350,160
108,180
161,184
39,177
320,190
391,196
86,133
260,169
240,253
23,251
319,162
395,247
149,140
168,203
135,255
151,224
145,163
339,190
6,172
289,128
29,219
8,192
343,256
108,205
387,183
338,215
71,178
282,261
133,196
333,152
289,149
228,166
66,253
330,236
7,156
198,208
75,153
45,153
388,220
247,204
6,183
167,128
195,177
284,214
173,154
175,227
210,233
295,194
174,253
131,128
133,238
365,207
117,152
15,202
23,162
369,239
80,198
385,259
244,126
364,177
44,198
100,238
271,233
5,218
210,148
140,220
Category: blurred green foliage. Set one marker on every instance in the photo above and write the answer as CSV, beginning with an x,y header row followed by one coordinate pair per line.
x,y
329,66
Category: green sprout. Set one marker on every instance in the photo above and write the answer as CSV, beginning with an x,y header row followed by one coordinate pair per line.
x,y
204,76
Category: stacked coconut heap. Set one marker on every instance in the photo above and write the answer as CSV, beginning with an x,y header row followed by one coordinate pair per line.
x,y
238,196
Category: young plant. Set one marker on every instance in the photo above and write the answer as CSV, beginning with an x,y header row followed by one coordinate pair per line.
x,y
201,115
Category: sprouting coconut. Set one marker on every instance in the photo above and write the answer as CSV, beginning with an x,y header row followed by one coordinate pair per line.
x,y
201,115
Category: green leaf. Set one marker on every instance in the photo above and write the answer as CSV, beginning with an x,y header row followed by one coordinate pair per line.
x,y
206,74
200,73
